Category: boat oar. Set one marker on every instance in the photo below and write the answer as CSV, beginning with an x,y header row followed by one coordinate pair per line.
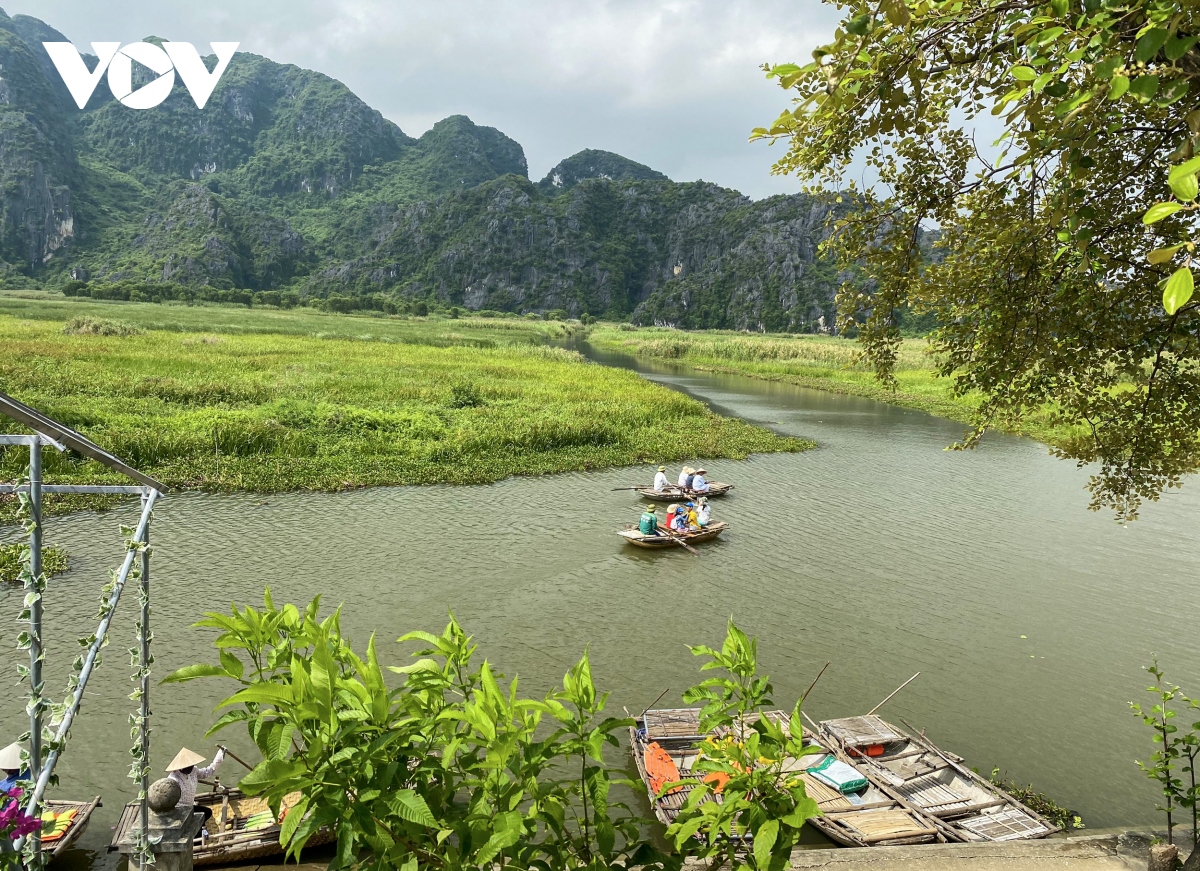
x,y
814,683
643,487
231,753
655,702
896,690
679,541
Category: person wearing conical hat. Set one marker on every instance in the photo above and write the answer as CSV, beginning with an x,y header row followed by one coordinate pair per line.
x,y
10,767
699,484
687,472
184,772
648,525
660,480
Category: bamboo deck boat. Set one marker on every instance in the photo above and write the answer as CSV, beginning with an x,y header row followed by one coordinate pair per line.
x,y
867,818
83,814
633,536
676,494
242,827
966,806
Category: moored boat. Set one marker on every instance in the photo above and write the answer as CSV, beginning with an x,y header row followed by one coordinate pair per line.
x,y
666,744
966,806
676,494
633,536
242,827
71,818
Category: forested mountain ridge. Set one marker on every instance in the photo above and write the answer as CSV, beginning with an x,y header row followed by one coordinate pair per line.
x,y
288,181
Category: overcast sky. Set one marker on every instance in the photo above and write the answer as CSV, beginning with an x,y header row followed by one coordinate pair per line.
x,y
674,84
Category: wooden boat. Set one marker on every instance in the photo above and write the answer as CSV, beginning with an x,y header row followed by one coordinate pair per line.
x,y
633,536
967,806
55,847
242,827
868,818
678,494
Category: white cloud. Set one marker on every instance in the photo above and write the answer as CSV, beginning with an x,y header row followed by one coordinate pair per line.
x,y
674,84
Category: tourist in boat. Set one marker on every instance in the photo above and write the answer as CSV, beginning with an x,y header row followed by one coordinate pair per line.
x,y
685,476
184,772
703,512
679,523
698,484
648,525
10,767
693,520
660,480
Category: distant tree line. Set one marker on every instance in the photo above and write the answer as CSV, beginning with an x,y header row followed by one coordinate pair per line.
x,y
160,292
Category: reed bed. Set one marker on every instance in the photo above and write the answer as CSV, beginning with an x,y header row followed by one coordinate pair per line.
x,y
335,407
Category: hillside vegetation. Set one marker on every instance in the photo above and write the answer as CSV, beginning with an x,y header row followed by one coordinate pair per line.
x,y
287,182
267,401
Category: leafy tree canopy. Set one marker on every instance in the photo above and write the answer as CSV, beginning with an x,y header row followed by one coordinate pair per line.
x,y
1064,273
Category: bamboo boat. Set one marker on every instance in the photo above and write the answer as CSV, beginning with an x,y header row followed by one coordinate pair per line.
x,y
633,536
241,828
83,814
676,494
966,806
868,818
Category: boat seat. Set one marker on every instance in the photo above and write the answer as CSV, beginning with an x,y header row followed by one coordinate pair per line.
x,y
1007,825
928,792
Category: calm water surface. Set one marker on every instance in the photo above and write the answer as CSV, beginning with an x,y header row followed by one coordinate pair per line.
x,y
1028,616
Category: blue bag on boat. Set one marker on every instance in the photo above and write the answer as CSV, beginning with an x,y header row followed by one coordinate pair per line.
x,y
842,777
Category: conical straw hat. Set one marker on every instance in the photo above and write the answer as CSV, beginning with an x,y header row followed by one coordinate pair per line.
x,y
10,757
185,758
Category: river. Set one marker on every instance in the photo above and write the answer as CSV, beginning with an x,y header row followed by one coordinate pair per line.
x,y
1028,616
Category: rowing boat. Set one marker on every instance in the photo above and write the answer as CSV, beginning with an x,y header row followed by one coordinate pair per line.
x,y
676,494
78,814
633,536
966,806
866,818
241,828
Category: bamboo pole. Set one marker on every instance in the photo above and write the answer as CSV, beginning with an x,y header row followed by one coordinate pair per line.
x,y
896,690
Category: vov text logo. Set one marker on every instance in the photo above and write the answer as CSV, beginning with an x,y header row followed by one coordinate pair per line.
x,y
117,60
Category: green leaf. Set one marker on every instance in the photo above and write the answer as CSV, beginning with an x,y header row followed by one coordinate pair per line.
x,y
1144,87
1157,256
1120,84
413,808
1024,74
294,816
764,841
1158,211
1108,66
1188,167
1184,187
232,665
1149,43
191,672
1177,47
1178,289
859,25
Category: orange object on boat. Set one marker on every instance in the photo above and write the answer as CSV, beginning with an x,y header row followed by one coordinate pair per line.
x,y
717,779
660,768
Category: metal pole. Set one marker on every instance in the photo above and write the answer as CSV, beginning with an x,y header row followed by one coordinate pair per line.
x,y
145,663
35,623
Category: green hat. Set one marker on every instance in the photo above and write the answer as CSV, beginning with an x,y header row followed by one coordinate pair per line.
x,y
651,508
662,468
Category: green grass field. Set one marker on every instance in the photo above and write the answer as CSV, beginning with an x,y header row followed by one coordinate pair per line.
x,y
263,400
820,362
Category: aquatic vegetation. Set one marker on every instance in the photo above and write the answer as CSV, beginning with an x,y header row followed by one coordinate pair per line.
x,y
271,401
13,557
1028,795
827,363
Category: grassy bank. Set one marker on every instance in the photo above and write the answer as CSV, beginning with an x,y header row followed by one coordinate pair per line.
x,y
225,399
820,362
